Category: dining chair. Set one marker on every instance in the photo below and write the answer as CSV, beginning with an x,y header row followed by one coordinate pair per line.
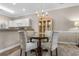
x,y
53,41
54,44
26,45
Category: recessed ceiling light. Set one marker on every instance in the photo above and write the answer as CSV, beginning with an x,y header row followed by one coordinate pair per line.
x,y
42,11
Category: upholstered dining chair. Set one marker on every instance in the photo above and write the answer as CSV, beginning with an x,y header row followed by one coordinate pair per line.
x,y
54,44
26,45
53,41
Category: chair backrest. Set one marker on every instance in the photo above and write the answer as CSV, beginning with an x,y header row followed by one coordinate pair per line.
x,y
30,33
55,39
26,35
23,39
49,34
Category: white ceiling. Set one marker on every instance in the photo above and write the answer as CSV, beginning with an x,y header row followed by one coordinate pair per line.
x,y
32,8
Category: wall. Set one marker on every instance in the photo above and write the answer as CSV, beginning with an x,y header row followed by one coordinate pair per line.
x,y
62,23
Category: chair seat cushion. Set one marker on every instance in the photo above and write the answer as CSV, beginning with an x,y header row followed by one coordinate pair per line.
x,y
30,46
48,46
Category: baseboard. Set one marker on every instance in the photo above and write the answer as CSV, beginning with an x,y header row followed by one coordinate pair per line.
x,y
68,43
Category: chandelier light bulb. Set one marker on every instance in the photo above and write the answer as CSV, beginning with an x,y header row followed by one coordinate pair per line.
x,y
49,23
38,15
46,13
42,11
43,15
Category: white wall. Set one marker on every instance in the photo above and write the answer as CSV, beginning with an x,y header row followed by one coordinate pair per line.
x,y
61,21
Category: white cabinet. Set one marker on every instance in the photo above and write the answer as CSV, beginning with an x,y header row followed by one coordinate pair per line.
x,y
20,22
24,22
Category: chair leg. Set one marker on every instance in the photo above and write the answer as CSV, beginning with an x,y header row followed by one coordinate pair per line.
x,y
20,52
51,53
56,52
36,52
25,53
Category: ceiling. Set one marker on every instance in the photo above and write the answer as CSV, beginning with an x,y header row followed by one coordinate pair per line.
x,y
21,9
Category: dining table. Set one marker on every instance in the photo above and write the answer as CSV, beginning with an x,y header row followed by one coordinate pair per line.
x,y
39,41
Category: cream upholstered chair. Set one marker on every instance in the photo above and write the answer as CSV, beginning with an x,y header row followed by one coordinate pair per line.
x,y
53,41
26,45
